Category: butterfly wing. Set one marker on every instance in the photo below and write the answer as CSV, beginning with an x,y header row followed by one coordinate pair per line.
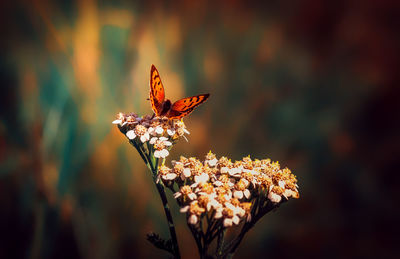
x,y
185,106
157,94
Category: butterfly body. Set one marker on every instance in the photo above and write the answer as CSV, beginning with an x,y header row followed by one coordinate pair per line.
x,y
164,107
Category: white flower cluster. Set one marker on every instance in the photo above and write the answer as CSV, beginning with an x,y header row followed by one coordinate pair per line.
x,y
227,190
160,133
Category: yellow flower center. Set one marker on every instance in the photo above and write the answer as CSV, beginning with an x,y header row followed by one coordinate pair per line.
x,y
203,200
178,168
246,206
235,202
140,130
196,209
207,188
163,170
159,145
185,190
278,190
228,213
241,185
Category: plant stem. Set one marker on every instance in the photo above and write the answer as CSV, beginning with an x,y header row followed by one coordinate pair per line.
x,y
167,211
196,237
152,164
161,192
220,242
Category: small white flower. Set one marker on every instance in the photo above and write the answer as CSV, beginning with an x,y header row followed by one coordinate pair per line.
x,y
120,118
160,145
235,209
145,137
212,162
161,153
275,198
171,132
158,130
290,193
139,131
166,173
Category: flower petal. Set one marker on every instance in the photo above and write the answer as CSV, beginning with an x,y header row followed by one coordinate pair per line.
x,y
184,209
157,153
193,219
153,140
238,194
177,195
159,130
164,153
170,176
187,172
131,134
247,193
171,132
274,197
227,222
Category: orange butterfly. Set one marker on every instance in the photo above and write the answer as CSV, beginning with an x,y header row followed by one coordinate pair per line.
x,y
164,107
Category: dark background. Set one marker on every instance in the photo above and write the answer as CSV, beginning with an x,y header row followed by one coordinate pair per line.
x,y
313,84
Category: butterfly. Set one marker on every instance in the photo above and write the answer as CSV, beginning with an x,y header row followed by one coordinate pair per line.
x,y
164,107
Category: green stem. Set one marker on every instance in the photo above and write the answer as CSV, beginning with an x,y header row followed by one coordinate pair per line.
x,y
152,164
167,211
220,242
161,192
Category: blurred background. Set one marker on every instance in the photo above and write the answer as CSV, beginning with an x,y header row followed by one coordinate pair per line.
x,y
310,83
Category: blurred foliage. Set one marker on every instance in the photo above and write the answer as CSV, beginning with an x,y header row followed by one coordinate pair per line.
x,y
312,84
